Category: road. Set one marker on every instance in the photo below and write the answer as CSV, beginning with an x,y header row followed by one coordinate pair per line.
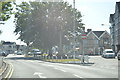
x,y
26,68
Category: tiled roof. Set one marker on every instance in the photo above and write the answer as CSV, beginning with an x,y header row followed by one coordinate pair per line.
x,y
98,33
86,33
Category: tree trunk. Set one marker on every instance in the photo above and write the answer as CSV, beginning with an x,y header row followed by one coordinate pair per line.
x,y
27,50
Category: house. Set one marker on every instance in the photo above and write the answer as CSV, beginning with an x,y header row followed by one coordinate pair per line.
x,y
104,40
96,42
8,47
21,48
114,20
91,43
11,47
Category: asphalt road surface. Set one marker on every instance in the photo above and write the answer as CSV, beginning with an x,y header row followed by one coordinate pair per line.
x,y
26,68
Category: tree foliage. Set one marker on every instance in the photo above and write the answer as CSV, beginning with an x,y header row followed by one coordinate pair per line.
x,y
42,23
5,10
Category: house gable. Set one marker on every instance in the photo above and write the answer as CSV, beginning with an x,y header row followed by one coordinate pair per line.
x,y
98,33
105,34
91,35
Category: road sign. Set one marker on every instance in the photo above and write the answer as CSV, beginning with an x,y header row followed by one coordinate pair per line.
x,y
84,36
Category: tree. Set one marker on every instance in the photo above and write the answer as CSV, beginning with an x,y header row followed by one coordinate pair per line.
x,y
5,10
44,23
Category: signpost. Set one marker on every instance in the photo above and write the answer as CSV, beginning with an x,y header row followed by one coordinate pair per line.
x,y
83,36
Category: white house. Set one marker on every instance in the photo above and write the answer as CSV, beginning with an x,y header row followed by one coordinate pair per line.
x,y
8,47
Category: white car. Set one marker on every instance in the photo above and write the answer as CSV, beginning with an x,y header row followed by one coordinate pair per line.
x,y
19,53
36,51
118,55
108,53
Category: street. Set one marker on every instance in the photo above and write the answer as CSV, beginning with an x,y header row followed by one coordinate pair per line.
x,y
25,68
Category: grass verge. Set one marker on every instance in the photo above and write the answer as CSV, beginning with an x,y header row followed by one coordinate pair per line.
x,y
61,60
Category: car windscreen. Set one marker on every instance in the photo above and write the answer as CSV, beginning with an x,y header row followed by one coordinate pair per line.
x,y
109,51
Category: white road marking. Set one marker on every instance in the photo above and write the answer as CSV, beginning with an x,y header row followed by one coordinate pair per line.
x,y
34,61
107,67
77,76
60,69
49,65
39,74
63,70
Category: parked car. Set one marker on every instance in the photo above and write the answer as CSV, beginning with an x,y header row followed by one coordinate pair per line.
x,y
30,53
108,53
19,53
3,53
35,51
118,55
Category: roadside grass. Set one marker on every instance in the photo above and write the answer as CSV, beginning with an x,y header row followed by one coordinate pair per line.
x,y
57,60
61,60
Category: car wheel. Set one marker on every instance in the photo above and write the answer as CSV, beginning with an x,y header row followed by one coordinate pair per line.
x,y
118,58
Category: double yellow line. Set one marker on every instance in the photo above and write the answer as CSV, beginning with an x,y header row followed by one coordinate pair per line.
x,y
10,72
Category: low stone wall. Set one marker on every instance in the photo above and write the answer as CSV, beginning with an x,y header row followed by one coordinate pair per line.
x,y
1,61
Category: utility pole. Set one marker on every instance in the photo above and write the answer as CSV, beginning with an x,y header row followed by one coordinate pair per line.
x,y
74,29
60,44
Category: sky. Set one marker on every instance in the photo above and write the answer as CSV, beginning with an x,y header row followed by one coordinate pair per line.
x,y
94,12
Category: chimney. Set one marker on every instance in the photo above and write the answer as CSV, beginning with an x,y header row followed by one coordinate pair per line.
x,y
88,30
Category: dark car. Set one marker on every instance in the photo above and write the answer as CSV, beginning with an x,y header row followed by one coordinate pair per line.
x,y
3,53
118,55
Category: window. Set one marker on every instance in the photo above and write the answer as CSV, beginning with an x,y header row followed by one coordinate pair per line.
x,y
10,46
